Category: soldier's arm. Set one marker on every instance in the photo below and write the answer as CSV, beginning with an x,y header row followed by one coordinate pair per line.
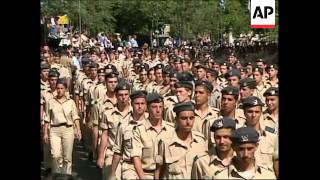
x,y
159,172
195,173
136,152
103,142
115,161
117,151
164,90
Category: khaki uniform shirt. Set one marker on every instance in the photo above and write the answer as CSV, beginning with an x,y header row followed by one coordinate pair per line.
x,y
111,119
232,173
207,165
260,90
178,157
57,113
201,122
44,86
138,85
97,92
145,142
123,142
270,121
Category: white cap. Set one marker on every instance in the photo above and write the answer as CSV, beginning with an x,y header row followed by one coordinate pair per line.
x,y
119,49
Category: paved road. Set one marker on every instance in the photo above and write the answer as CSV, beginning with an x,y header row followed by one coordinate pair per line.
x,y
84,169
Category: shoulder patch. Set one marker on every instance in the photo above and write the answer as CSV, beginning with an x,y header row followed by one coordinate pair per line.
x,y
270,129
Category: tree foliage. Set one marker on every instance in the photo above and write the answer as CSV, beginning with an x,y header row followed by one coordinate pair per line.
x,y
187,18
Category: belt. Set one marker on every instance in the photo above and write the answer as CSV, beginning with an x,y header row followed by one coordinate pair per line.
x,y
148,171
61,124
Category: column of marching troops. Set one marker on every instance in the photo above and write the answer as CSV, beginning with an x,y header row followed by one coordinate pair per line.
x,y
162,114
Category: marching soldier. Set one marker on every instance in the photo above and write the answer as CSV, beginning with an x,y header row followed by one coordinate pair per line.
x,y
201,72
243,72
261,85
267,151
215,97
220,156
203,112
44,72
45,98
62,115
164,89
273,80
247,88
263,65
146,137
175,156
249,67
184,91
142,82
243,166
96,93
170,98
233,77
111,119
223,71
123,141
271,114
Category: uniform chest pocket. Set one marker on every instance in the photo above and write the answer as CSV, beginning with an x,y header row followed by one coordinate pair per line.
x,y
173,167
147,152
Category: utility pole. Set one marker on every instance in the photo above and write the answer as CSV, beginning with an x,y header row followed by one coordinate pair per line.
x,y
80,26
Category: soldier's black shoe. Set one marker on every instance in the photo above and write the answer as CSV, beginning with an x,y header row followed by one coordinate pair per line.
x,y
47,172
90,156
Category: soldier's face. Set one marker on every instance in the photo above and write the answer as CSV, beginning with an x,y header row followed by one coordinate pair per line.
x,y
245,92
233,81
257,77
216,67
243,74
260,65
143,76
185,121
228,103
159,75
223,69
173,81
238,65
93,72
249,69
232,59
178,66
272,102
123,97
94,57
252,115
201,95
139,105
60,90
201,74
101,78
111,84
45,73
185,67
245,152
209,78
151,76
272,72
182,94
53,82
155,110
222,139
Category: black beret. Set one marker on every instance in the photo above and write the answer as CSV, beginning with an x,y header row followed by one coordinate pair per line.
x,y
111,74
260,60
206,84
245,135
201,66
159,66
244,69
54,72
101,71
122,85
111,66
251,101
138,94
150,69
271,91
249,63
173,73
257,69
184,106
154,97
248,82
233,72
225,64
224,122
230,90
136,61
45,66
272,66
62,81
185,76
166,70
213,72
94,65
184,84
